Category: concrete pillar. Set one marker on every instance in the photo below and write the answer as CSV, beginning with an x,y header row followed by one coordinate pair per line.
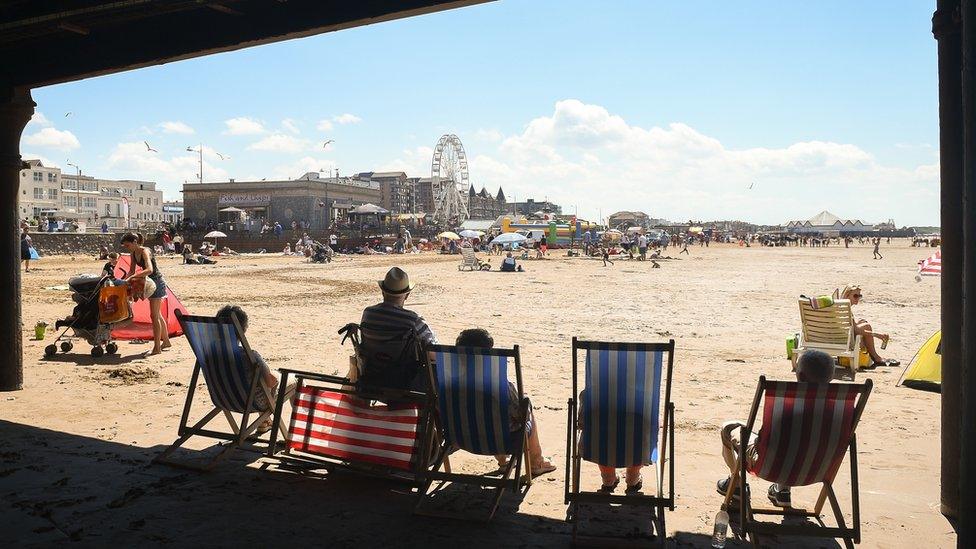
x,y
16,109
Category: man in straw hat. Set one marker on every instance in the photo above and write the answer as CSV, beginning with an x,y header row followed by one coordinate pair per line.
x,y
390,316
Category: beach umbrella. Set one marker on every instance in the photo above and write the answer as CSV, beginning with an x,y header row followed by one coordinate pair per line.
x,y
932,266
468,233
509,238
449,235
215,235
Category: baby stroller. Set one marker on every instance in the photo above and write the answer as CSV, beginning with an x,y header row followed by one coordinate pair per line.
x,y
90,320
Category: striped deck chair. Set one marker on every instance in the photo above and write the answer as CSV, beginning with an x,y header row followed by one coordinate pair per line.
x,y
473,399
335,424
620,419
233,381
806,431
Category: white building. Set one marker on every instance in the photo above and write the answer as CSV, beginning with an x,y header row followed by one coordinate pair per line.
x,y
47,192
173,212
828,224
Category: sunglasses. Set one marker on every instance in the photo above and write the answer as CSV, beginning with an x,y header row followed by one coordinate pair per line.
x,y
859,296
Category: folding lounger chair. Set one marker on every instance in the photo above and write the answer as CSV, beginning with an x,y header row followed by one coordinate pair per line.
x,y
233,380
472,394
470,261
829,329
806,430
370,422
617,420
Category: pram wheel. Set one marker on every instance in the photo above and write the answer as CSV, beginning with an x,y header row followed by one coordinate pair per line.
x,y
485,267
97,352
111,348
66,346
50,350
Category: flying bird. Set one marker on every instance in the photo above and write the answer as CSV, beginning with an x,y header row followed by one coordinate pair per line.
x,y
751,185
326,144
190,149
222,157
67,114
148,148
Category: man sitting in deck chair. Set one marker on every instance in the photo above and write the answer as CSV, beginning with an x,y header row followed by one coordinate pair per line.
x,y
390,334
812,367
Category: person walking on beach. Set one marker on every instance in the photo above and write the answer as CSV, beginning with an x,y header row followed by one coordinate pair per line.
x,y
606,256
877,245
684,247
25,250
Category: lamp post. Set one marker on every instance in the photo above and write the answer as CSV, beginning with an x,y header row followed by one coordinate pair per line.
x,y
77,189
200,150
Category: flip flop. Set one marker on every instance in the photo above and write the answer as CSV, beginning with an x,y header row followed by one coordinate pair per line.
x,y
547,468
635,488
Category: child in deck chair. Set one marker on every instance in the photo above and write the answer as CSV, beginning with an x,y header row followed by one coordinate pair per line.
x,y
812,367
269,380
480,338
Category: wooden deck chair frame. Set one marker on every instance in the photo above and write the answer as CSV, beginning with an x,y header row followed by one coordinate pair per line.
x,y
291,460
663,498
820,330
518,461
240,433
752,528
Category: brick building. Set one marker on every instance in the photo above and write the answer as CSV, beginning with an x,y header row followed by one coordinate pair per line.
x,y
482,205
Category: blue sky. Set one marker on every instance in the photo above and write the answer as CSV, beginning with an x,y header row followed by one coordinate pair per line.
x,y
676,108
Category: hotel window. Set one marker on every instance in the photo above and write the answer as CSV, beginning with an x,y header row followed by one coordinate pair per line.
x,y
38,176
140,200
89,201
69,200
108,210
52,177
38,193
52,194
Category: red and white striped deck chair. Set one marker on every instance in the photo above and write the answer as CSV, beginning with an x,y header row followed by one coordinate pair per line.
x,y
807,428
335,425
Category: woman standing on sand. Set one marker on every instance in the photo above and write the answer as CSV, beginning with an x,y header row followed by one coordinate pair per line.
x,y
143,258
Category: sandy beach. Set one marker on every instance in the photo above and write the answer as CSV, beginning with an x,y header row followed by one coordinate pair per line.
x,y
78,439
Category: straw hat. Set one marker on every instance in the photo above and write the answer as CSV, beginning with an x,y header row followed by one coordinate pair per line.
x,y
396,282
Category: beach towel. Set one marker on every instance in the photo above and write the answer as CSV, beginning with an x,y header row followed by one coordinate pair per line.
x,y
820,302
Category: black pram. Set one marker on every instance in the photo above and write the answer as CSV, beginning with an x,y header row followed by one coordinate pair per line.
x,y
84,320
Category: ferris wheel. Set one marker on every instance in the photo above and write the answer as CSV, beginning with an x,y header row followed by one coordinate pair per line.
x,y
449,173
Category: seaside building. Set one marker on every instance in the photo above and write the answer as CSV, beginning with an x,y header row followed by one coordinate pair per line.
x,y
310,200
828,224
396,190
482,205
173,212
627,219
530,206
47,192
423,193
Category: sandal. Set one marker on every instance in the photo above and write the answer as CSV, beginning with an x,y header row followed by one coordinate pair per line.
x,y
635,488
609,488
545,467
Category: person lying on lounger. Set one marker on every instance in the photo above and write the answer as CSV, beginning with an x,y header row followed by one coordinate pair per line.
x,y
480,338
269,380
812,367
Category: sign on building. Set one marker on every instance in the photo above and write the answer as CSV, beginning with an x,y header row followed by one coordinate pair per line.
x,y
244,200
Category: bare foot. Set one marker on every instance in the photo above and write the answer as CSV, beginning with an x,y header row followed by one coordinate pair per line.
x,y
155,351
166,345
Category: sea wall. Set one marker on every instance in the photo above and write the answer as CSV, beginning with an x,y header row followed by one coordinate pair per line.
x,y
73,243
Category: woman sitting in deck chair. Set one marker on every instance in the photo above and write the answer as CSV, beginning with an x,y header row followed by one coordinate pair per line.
x,y
540,465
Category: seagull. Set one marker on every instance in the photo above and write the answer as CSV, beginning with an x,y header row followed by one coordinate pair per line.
x,y
148,148
67,114
190,149
326,144
751,185
222,157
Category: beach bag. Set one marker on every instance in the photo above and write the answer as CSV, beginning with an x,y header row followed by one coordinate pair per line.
x,y
113,305
864,360
34,254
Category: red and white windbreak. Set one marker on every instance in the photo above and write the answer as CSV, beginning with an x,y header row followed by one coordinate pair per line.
x,y
341,426
931,266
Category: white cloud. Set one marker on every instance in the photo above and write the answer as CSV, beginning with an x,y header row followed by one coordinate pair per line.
x,y
291,126
580,151
52,138
133,160
281,142
490,135
324,125
302,166
38,119
414,162
175,126
243,126
346,118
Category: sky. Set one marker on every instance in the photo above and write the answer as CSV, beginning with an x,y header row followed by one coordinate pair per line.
x,y
760,111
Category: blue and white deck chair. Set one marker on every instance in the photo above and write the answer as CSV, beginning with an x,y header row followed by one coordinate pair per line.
x,y
620,419
472,394
234,382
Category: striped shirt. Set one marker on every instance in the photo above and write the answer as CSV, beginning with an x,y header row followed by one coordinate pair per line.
x,y
385,317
